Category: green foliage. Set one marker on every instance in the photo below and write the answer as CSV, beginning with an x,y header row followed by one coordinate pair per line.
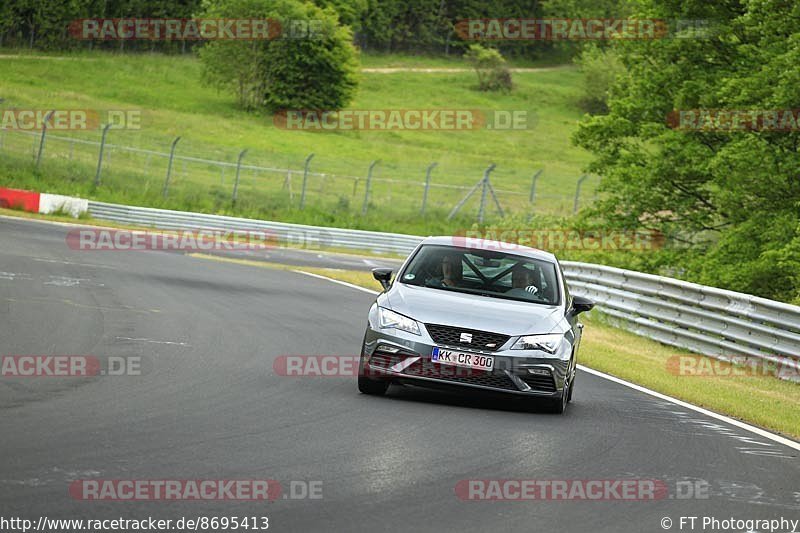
x,y
44,24
732,196
600,67
349,11
292,72
491,68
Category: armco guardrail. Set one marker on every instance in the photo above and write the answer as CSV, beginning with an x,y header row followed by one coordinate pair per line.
x,y
706,320
307,236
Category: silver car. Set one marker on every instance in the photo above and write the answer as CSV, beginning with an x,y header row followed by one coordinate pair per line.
x,y
478,315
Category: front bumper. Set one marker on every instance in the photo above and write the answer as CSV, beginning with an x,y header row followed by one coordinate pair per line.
x,y
389,353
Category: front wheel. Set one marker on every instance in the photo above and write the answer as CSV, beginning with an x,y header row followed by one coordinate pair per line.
x,y
375,387
571,386
559,405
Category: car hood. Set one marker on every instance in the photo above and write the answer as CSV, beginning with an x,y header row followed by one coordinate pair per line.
x,y
470,311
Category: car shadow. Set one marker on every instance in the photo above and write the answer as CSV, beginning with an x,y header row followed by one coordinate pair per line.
x,y
469,399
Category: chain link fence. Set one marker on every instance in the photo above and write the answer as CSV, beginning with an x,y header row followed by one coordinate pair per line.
x,y
125,162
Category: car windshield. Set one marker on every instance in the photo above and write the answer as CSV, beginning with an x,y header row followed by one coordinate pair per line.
x,y
485,272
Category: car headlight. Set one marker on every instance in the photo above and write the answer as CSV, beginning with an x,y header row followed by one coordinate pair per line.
x,y
548,343
390,319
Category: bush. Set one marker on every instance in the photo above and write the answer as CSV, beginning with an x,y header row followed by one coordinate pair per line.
x,y
493,73
290,72
600,68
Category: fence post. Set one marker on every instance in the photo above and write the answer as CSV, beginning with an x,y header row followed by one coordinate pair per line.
x,y
427,186
533,185
578,193
169,166
238,169
41,141
100,157
305,180
366,188
484,190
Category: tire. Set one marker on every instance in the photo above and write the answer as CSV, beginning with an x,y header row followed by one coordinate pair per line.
x,y
373,387
571,386
559,405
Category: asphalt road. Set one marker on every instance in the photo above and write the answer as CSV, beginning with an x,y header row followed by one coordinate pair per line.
x,y
209,405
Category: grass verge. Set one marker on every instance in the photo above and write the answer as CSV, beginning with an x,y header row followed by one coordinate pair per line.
x,y
173,103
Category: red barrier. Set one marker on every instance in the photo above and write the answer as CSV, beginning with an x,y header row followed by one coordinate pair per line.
x,y
17,199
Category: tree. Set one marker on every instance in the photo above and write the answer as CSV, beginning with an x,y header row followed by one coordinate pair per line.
x,y
294,71
733,197
493,73
600,68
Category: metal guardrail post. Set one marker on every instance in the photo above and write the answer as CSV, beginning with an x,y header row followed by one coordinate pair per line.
x,y
427,187
169,166
533,185
484,190
100,156
305,180
578,193
41,141
367,187
238,170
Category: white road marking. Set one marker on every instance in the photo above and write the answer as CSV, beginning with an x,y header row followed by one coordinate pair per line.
x,y
362,289
64,281
41,260
13,276
732,421
175,343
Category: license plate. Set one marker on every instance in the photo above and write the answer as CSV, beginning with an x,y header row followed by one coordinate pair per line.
x,y
467,360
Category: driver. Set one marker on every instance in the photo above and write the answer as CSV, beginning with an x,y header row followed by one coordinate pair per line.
x,y
452,273
522,282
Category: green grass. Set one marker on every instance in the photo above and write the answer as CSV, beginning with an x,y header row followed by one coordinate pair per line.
x,y
167,91
761,400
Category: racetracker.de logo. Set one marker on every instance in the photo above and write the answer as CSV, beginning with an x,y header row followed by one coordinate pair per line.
x,y
186,241
560,239
349,366
561,489
165,29
69,119
405,119
730,120
175,489
71,366
49,366
733,367
523,29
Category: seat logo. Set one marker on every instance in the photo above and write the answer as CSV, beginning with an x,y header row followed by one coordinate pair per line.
x,y
466,337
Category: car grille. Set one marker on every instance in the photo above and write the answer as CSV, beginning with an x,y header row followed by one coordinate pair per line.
x,y
383,360
481,340
427,368
540,383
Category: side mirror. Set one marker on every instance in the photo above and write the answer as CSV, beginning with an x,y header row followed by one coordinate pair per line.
x,y
581,304
384,276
